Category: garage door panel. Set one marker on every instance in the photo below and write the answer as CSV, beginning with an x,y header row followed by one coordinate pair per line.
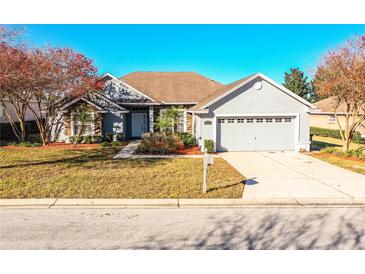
x,y
260,133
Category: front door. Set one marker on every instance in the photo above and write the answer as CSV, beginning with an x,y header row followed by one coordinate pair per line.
x,y
139,124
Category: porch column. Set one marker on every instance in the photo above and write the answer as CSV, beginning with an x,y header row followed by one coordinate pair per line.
x,y
150,115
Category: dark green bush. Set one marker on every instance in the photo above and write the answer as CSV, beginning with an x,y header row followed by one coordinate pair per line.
x,y
119,137
334,133
188,139
87,139
116,144
209,145
96,139
105,144
108,137
159,143
72,139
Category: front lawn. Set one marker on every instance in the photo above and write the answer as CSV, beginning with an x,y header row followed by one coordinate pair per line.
x,y
92,173
319,142
349,163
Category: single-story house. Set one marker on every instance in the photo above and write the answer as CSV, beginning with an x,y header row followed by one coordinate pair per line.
x,y
254,113
325,117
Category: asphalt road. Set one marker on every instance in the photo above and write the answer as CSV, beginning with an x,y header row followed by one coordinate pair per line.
x,y
239,228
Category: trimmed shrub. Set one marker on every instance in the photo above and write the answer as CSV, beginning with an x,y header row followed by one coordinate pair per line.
x,y
108,137
119,137
188,139
116,144
357,153
159,143
105,144
72,139
209,145
334,133
96,139
87,139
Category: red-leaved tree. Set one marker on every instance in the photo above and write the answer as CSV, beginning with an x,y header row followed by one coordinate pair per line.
x,y
341,75
59,74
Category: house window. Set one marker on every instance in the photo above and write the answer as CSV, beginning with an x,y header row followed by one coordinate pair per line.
x,y
240,120
268,120
250,120
287,120
331,119
181,122
221,121
259,120
88,127
230,121
277,120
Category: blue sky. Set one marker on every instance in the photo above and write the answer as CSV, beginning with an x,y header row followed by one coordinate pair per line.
x,y
221,52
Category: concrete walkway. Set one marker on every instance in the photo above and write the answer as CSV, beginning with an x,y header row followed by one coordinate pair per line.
x,y
294,175
128,150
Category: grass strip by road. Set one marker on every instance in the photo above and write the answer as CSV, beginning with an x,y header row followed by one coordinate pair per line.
x,y
92,173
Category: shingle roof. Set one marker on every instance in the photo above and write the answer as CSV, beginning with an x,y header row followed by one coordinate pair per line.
x,y
218,92
172,86
329,104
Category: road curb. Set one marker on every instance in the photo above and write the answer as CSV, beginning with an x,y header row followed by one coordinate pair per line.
x,y
180,203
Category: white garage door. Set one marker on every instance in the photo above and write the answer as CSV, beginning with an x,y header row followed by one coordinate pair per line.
x,y
255,133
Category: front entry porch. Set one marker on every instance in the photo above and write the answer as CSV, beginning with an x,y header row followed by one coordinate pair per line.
x,y
139,120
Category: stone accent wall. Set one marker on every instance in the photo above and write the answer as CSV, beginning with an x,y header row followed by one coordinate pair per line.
x,y
189,122
98,119
67,122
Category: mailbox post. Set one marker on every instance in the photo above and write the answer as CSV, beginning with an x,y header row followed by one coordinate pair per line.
x,y
208,160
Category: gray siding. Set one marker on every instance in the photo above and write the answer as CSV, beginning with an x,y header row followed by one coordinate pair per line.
x,y
113,123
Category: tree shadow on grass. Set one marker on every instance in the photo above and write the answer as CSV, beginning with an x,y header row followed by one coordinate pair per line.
x,y
318,145
85,156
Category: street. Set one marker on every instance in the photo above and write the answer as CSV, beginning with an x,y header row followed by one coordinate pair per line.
x,y
228,228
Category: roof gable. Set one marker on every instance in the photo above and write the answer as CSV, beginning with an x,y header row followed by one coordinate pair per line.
x,y
97,100
171,87
228,89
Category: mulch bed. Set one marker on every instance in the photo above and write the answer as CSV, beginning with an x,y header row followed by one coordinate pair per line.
x,y
57,146
188,151
329,155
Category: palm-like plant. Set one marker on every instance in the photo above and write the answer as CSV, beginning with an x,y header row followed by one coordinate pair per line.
x,y
169,119
83,116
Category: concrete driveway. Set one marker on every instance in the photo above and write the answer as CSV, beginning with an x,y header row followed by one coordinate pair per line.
x,y
294,175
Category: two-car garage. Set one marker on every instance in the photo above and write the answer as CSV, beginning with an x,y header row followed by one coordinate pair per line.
x,y
253,114
247,133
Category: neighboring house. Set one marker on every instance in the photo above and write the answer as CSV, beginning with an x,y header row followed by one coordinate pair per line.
x,y
325,117
29,116
254,113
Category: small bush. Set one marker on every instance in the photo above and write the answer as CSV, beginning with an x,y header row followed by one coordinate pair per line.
x,y
116,144
105,144
357,153
108,137
72,139
159,143
209,145
87,139
96,139
188,139
334,133
119,137
28,144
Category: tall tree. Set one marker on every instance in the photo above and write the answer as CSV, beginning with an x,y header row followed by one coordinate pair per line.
x,y
298,83
341,75
14,77
58,75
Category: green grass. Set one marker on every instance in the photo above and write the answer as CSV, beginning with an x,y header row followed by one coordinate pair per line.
x,y
319,142
349,163
344,162
92,173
